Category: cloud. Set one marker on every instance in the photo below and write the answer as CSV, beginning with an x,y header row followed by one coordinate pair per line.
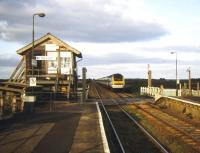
x,y
121,58
139,70
128,58
177,48
5,72
78,21
128,70
9,60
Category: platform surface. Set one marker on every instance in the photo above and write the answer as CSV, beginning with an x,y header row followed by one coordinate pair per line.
x,y
88,136
69,127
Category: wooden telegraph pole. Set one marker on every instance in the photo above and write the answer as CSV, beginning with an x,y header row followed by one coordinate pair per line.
x,y
149,76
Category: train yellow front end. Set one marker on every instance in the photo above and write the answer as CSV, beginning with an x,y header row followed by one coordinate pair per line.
x,y
117,81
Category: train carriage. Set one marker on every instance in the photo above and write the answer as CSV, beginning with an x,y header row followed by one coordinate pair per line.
x,y
115,81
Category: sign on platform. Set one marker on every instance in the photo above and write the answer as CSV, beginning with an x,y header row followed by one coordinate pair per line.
x,y
34,63
29,99
45,58
51,47
32,82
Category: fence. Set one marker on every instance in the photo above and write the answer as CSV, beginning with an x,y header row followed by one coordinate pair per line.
x,y
157,92
9,104
186,92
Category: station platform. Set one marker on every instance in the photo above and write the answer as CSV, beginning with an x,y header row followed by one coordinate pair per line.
x,y
69,127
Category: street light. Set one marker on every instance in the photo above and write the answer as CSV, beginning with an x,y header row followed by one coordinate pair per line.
x,y
33,37
176,74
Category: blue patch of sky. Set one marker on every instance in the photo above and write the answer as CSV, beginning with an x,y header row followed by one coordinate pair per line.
x,y
9,47
183,14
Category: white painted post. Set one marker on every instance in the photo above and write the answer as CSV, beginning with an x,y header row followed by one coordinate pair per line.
x,y
180,90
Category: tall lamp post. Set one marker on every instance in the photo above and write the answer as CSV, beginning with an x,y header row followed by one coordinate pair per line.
x,y
176,74
33,37
29,105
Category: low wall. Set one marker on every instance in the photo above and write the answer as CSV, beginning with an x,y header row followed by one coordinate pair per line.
x,y
180,107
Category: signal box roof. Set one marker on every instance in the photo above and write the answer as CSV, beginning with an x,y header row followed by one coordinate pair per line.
x,y
46,38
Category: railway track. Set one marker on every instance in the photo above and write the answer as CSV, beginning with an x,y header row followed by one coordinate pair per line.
x,y
128,135
186,131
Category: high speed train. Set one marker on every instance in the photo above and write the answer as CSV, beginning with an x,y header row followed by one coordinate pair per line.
x,y
115,81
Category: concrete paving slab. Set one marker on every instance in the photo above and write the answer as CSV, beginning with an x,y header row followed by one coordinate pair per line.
x,y
24,141
70,128
41,132
36,137
88,136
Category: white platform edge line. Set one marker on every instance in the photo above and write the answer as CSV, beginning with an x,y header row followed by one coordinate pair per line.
x,y
103,134
183,101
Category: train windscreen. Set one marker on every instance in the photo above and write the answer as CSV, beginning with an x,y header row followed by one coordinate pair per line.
x,y
118,77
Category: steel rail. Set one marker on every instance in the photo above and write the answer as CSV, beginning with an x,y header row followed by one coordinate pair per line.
x,y
149,135
165,122
152,139
171,125
107,115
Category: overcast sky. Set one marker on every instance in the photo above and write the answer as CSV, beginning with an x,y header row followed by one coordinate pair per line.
x,y
114,36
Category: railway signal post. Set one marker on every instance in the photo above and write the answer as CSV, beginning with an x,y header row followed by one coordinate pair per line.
x,y
84,70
